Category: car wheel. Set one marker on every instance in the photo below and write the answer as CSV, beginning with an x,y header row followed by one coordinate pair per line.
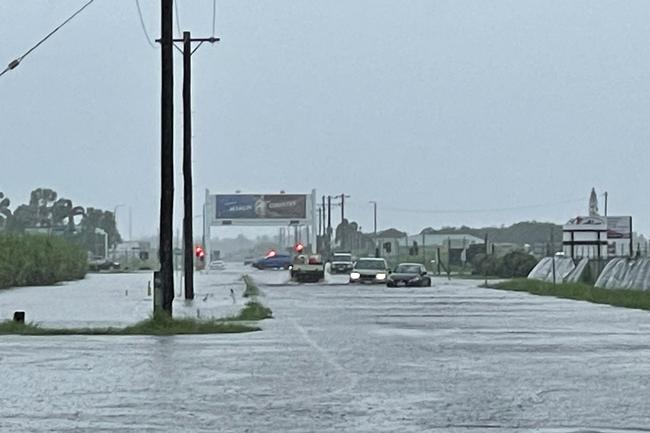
x,y
390,284
428,282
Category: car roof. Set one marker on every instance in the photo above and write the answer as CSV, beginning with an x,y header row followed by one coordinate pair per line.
x,y
410,264
374,259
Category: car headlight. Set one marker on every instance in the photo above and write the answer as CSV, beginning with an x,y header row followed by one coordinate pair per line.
x,y
355,275
290,267
381,276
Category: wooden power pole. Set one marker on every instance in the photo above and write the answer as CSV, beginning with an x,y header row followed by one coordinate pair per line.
x,y
165,248
188,235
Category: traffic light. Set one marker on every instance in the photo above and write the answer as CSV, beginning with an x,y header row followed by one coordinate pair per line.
x,y
299,247
199,252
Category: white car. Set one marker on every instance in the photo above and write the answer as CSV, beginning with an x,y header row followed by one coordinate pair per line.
x,y
216,265
369,270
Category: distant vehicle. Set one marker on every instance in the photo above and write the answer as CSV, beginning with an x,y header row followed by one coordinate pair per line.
x,y
409,274
102,264
216,265
249,261
369,270
307,269
273,260
341,263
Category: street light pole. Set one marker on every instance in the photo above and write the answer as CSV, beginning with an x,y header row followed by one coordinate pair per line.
x,y
117,206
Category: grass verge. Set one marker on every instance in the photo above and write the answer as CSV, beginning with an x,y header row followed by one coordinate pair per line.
x,y
253,311
579,291
160,324
153,326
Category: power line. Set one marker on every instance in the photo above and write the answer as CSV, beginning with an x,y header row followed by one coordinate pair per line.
x,y
14,63
178,19
144,28
464,211
214,17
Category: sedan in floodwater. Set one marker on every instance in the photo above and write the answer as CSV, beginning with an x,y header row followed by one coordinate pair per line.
x,y
273,260
409,274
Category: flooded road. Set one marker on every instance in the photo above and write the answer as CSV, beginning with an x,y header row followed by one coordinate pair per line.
x,y
336,358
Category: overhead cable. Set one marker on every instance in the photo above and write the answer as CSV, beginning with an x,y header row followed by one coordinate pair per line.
x,y
462,211
14,63
144,27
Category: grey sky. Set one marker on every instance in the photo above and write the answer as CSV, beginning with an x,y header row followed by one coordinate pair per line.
x,y
416,104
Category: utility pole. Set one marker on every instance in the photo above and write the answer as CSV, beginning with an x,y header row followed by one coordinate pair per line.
x,y
188,251
320,221
606,203
188,234
342,197
374,213
329,215
165,248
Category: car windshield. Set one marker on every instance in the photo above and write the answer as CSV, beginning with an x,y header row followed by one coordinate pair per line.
x,y
342,258
408,269
371,264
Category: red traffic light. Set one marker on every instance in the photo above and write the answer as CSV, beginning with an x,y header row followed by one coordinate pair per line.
x,y
199,251
299,247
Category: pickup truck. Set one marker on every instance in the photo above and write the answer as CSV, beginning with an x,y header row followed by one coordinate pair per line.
x,y
341,263
307,269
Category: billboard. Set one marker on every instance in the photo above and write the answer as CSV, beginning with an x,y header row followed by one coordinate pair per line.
x,y
586,223
619,227
260,206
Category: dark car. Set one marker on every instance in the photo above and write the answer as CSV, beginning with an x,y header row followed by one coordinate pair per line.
x,y
409,274
101,264
274,261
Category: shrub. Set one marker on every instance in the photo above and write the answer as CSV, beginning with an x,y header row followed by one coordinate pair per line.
x,y
512,265
29,260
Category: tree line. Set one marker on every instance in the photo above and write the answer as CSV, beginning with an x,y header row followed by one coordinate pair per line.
x,y
47,212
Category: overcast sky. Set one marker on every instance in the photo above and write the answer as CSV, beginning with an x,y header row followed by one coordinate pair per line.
x,y
490,107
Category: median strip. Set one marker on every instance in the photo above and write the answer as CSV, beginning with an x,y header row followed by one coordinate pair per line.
x,y
162,324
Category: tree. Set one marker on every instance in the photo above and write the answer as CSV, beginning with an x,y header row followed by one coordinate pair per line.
x,y
94,219
42,200
5,213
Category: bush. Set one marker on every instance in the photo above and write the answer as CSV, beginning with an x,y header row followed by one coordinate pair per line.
x,y
33,260
512,265
516,264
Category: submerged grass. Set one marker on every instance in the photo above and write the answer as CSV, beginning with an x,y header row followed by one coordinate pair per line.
x,y
251,289
579,291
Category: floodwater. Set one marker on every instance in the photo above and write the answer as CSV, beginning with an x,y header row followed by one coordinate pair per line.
x,y
336,358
